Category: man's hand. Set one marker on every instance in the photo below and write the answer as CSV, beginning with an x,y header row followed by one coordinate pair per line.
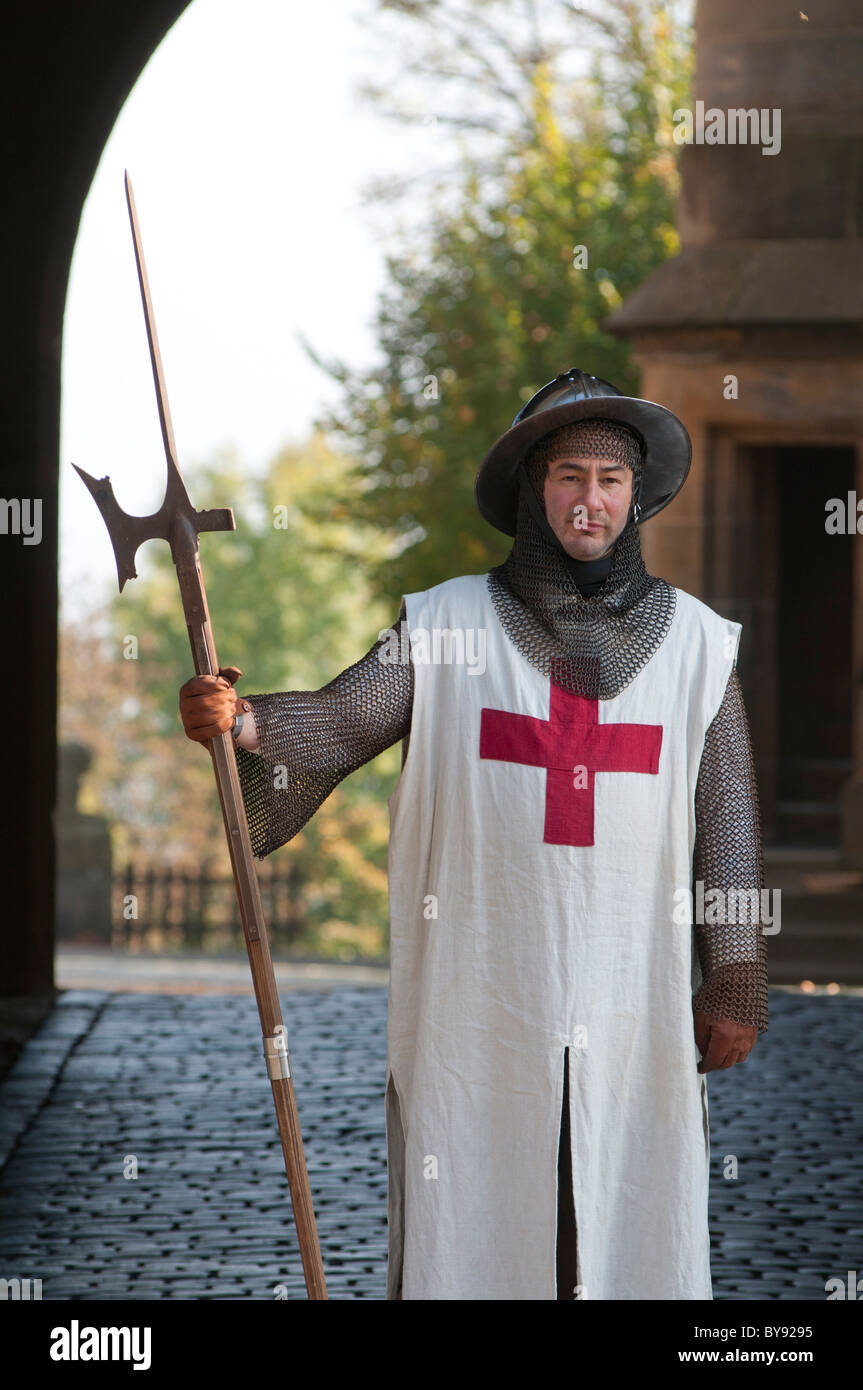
x,y
721,1042
208,704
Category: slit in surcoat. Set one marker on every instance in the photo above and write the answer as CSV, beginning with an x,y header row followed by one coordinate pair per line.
x,y
568,1278
395,1190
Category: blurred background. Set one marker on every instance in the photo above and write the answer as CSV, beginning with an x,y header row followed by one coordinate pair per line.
x,y
363,279
373,230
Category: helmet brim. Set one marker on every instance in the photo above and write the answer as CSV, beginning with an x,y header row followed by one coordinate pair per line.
x,y
666,461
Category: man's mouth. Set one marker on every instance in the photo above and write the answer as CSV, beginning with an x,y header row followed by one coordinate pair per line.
x,y
578,523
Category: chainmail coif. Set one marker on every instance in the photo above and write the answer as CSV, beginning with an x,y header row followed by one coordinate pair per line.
x,y
597,645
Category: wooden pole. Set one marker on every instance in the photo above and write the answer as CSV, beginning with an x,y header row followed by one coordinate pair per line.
x,y
179,523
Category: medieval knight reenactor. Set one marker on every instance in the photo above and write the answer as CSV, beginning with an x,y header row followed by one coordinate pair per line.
x,y
551,1013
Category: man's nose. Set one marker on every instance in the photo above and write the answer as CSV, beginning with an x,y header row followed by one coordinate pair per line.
x,y
590,494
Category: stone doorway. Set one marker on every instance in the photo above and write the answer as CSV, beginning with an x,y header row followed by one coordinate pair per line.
x,y
776,569
815,618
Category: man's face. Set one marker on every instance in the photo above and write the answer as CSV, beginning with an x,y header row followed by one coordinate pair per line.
x,y
587,502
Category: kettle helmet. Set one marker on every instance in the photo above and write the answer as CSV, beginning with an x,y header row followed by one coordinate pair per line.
x,y
578,395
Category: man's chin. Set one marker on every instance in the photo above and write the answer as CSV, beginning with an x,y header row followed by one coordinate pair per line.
x,y
588,547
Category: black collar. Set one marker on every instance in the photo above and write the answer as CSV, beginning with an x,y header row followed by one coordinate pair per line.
x,y
590,575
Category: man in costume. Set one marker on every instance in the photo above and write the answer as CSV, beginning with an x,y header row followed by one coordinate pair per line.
x,y
551,1017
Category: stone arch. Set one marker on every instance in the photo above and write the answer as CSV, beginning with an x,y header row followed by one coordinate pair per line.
x,y
66,72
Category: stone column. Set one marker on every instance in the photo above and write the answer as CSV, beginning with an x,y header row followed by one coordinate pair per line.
x,y
83,857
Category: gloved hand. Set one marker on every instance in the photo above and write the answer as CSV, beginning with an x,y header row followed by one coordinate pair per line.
x,y
208,704
721,1041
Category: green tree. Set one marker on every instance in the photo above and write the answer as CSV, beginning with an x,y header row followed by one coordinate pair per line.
x,y
291,607
496,299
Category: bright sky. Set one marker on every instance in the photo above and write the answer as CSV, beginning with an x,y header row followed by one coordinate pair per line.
x,y
247,150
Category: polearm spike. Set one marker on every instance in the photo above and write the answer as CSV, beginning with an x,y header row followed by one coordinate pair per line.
x,y
179,523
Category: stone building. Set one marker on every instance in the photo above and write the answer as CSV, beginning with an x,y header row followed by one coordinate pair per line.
x,y
754,336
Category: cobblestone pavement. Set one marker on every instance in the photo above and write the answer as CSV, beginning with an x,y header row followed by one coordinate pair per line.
x,y
177,1082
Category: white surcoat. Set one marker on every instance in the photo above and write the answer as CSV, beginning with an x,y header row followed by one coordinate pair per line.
x,y
537,843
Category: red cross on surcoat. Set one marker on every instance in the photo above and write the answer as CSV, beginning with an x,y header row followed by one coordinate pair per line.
x,y
573,746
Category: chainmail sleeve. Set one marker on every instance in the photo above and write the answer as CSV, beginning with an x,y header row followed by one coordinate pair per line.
x,y
309,740
732,951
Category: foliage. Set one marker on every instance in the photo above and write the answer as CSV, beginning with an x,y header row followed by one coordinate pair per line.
x,y
292,608
495,301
